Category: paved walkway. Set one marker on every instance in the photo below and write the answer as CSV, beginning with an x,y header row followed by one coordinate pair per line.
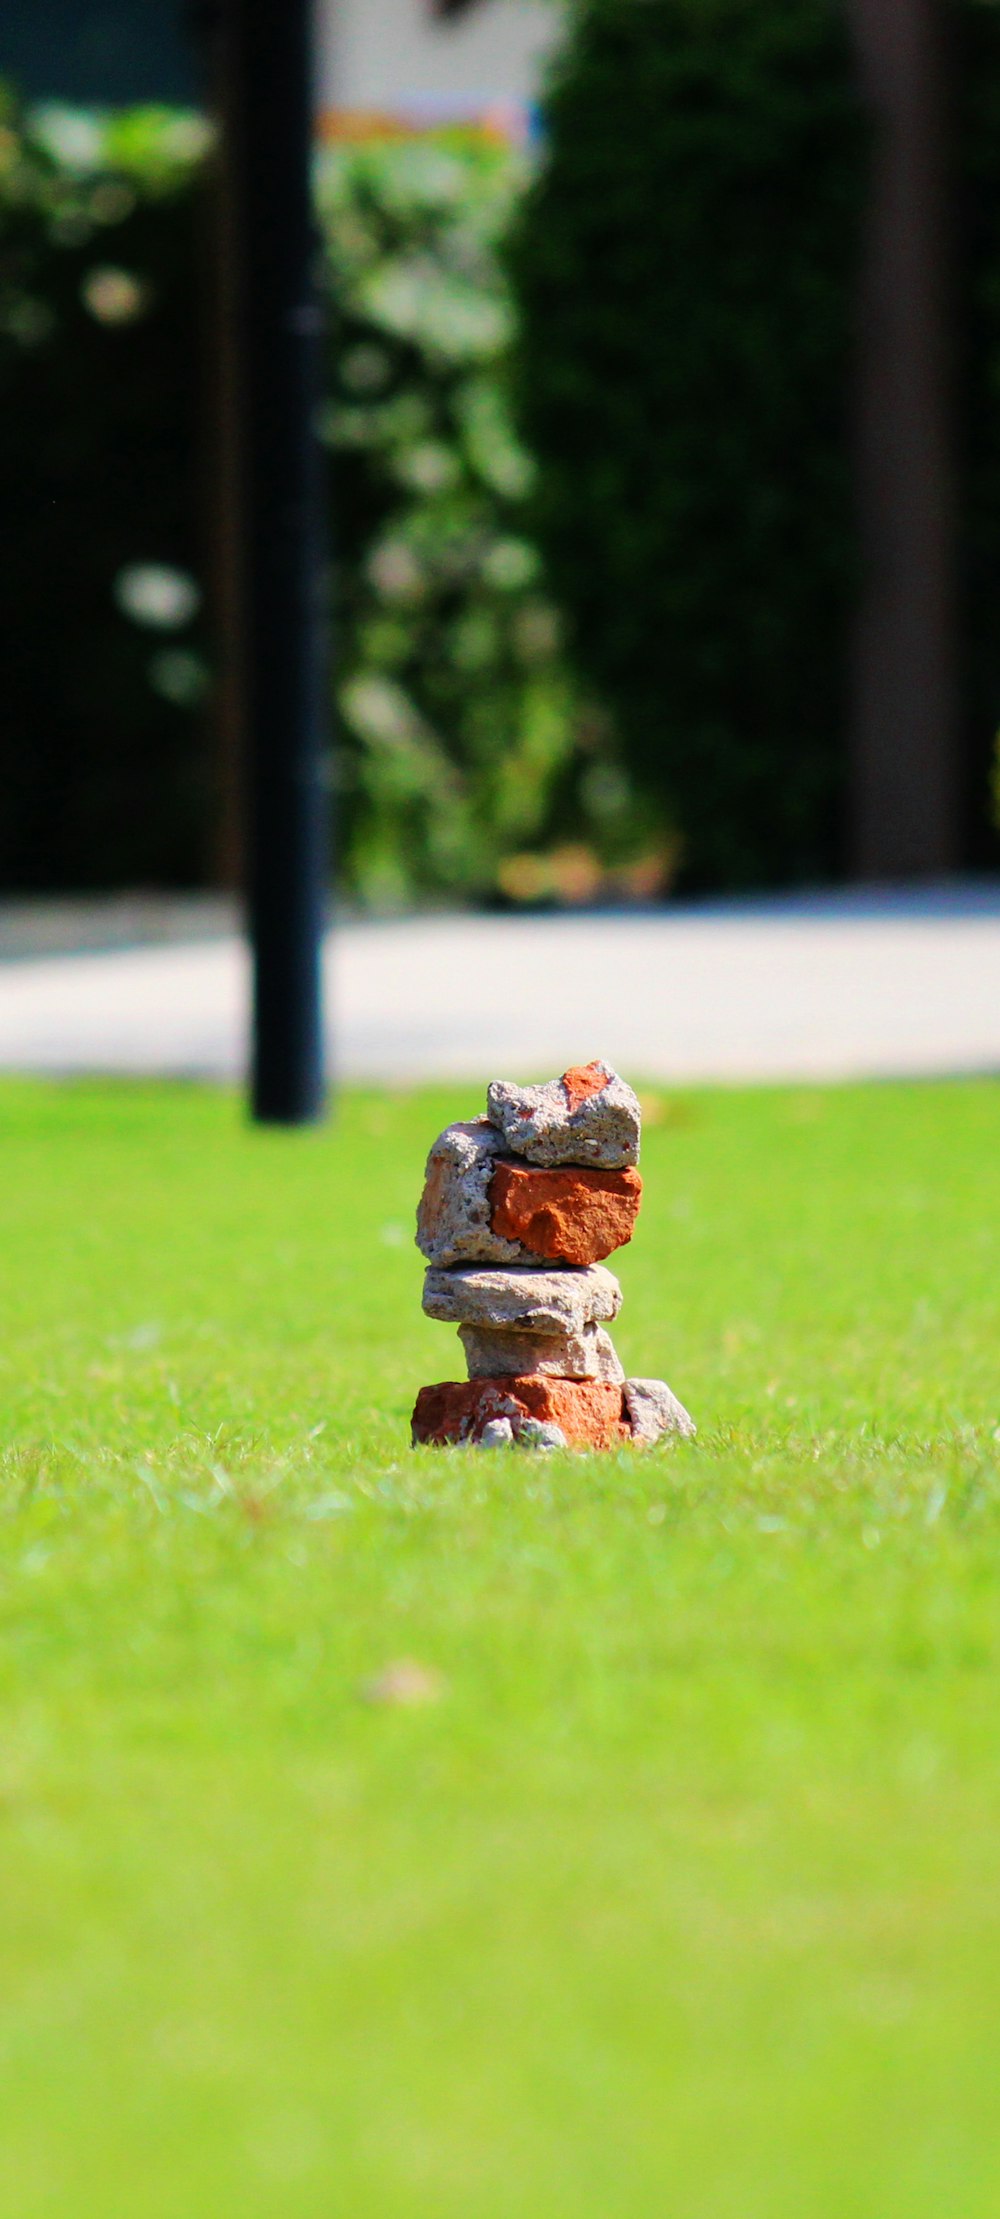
x,y
847,986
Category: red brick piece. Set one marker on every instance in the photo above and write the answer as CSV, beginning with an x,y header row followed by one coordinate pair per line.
x,y
574,1216
581,1081
591,1414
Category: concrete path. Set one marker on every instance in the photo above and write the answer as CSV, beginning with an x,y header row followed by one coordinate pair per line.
x,y
847,986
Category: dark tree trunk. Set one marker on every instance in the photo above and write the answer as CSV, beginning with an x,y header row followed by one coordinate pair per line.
x,y
906,774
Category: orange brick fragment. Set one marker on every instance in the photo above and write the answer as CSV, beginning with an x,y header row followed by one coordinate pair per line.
x,y
581,1081
591,1414
573,1215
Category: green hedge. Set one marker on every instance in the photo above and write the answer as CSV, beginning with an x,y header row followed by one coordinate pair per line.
x,y
685,271
470,761
684,268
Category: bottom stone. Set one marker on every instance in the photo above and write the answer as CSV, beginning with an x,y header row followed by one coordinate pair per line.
x,y
652,1410
589,1412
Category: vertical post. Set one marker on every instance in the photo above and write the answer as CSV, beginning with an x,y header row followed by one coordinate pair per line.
x,y
278,541
905,770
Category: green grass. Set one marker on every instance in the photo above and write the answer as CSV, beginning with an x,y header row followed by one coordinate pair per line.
x,y
681,1900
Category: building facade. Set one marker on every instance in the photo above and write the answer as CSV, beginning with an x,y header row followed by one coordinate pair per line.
x,y
410,62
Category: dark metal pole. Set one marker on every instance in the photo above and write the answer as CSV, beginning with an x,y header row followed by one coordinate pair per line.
x,y
278,540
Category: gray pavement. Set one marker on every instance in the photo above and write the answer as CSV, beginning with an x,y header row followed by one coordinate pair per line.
x,y
850,985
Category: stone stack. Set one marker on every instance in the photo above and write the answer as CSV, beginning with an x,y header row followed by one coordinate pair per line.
x,y
518,1212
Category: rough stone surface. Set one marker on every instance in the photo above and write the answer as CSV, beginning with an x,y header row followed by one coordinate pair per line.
x,y
532,1434
497,1433
588,1413
478,1207
652,1410
572,1215
492,1352
454,1217
589,1116
552,1303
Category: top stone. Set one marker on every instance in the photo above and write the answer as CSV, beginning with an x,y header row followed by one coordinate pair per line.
x,y
589,1116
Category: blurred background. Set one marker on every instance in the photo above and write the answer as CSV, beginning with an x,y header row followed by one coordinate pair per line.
x,y
662,408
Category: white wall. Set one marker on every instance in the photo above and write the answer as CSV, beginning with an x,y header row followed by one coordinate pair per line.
x,y
386,54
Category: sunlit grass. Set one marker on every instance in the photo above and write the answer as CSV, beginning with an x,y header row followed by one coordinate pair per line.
x,y
676,1895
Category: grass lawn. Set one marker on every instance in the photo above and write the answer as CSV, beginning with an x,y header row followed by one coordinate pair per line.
x,y
681,1900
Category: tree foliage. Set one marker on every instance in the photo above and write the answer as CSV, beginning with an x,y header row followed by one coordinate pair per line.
x,y
468,745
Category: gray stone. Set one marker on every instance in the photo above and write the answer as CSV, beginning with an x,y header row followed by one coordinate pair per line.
x,y
453,1217
564,1123
536,1433
497,1433
652,1411
493,1352
551,1304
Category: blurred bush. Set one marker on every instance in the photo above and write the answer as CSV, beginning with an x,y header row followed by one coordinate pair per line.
x,y
683,267
470,760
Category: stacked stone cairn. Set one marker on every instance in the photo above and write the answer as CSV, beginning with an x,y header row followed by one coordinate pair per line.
x,y
518,1212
